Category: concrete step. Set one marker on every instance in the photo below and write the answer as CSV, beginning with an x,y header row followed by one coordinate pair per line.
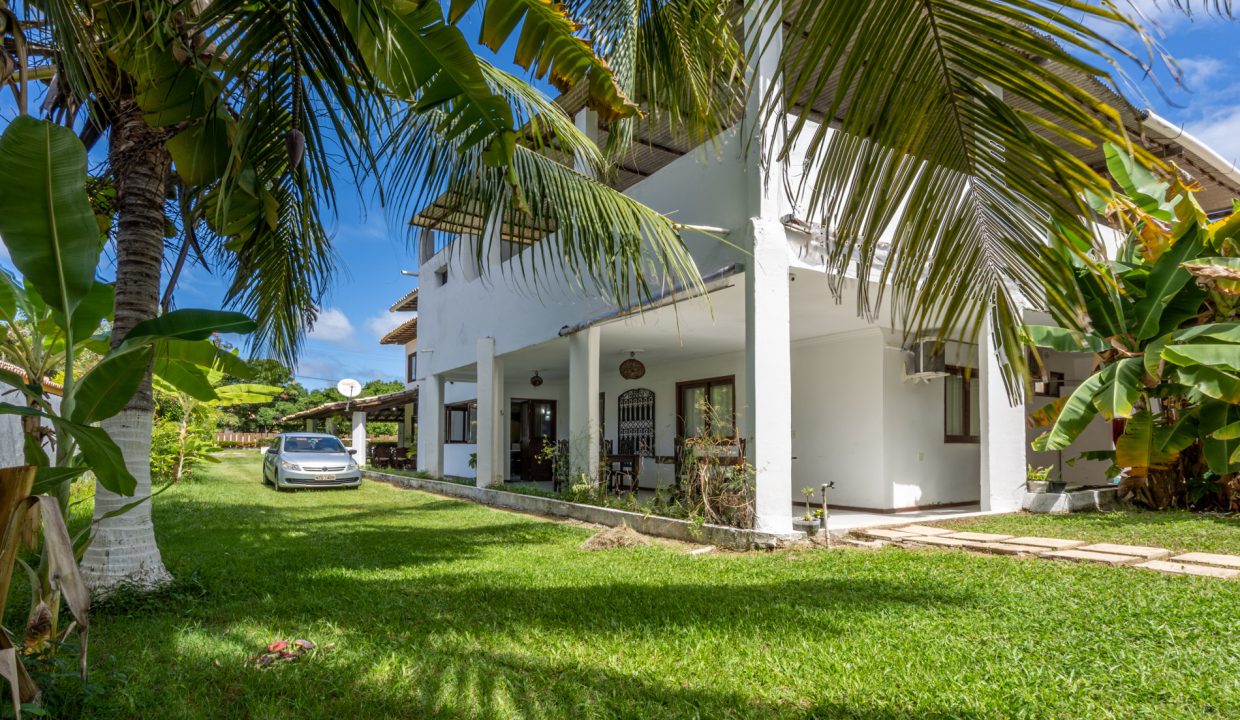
x,y
1045,543
1177,568
979,537
924,530
883,534
1080,555
1138,551
1200,558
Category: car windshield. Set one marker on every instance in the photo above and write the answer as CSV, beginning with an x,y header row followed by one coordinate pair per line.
x,y
313,445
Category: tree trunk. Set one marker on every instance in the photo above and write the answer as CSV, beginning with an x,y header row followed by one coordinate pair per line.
x,y
124,549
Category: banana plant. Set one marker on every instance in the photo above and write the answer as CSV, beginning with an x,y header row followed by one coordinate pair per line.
x,y
53,238
1162,325
189,449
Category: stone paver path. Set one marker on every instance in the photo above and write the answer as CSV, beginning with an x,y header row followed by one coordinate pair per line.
x,y
1212,565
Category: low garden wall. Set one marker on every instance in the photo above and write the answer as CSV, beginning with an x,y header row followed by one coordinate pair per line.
x,y
718,535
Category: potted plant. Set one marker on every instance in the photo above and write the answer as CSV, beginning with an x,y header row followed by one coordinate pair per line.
x,y
807,523
1037,480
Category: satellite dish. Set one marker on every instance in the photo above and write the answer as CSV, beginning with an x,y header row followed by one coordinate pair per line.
x,y
349,387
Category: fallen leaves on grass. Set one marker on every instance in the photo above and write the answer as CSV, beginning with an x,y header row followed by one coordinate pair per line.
x,y
282,651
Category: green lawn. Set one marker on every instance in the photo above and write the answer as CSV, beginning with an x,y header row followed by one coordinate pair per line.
x,y
1175,530
436,608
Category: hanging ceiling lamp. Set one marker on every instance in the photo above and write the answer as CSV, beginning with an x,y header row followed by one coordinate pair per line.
x,y
632,369
536,381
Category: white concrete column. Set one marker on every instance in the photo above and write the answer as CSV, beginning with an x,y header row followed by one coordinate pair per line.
x,y
359,436
430,425
489,253
1002,427
768,376
426,246
768,336
491,414
587,122
583,418
309,424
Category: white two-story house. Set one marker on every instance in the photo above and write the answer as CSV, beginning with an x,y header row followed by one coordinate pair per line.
x,y
504,366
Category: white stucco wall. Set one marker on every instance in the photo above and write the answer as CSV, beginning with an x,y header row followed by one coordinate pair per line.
x,y
705,187
11,441
921,468
837,418
1097,435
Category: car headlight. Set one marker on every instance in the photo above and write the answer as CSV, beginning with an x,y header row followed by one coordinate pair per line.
x,y
290,466
352,465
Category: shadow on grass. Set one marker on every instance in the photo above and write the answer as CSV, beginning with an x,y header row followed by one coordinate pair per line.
x,y
426,605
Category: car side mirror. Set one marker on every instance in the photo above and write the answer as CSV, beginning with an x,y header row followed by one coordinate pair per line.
x,y
352,451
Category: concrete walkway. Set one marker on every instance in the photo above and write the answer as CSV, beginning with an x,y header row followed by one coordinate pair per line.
x,y
1223,567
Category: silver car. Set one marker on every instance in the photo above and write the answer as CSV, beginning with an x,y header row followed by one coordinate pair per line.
x,y
307,460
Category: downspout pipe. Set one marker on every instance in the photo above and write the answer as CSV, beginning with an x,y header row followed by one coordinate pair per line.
x,y
717,280
1160,128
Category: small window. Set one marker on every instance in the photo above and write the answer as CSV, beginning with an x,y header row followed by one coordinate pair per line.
x,y
706,407
461,423
411,367
961,412
1049,386
441,276
636,422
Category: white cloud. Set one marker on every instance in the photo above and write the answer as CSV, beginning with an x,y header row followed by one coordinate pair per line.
x,y
1199,71
1221,131
332,326
385,322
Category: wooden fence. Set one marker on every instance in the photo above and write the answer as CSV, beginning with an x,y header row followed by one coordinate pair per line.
x,y
230,439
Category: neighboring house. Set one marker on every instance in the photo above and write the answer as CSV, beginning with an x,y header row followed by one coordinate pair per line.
x,y
11,441
817,393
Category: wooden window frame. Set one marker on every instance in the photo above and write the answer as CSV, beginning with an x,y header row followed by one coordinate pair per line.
x,y
706,383
966,407
1052,386
411,367
466,407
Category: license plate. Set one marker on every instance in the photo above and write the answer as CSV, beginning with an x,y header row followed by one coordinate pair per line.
x,y
325,478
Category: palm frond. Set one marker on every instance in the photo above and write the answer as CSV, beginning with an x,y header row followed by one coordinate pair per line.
x,y
947,128
299,66
680,60
583,232
549,47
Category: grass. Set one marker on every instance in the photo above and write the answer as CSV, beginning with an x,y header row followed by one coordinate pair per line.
x,y
427,607
1175,530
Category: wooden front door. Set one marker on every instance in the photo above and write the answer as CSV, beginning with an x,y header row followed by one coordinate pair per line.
x,y
537,419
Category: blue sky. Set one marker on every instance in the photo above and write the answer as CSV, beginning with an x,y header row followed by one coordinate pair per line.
x,y
372,247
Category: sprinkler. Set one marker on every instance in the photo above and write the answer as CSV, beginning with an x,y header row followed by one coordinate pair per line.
x,y
826,530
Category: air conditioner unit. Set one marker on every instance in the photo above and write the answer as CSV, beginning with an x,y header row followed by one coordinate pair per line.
x,y
925,360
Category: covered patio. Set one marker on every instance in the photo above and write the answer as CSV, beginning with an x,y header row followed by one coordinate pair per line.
x,y
400,407
857,418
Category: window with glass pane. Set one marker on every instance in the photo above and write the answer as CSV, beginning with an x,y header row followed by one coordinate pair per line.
x,y
462,423
693,412
961,411
695,418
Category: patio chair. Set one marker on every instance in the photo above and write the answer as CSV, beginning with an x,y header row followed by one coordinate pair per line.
x,y
622,472
400,458
380,456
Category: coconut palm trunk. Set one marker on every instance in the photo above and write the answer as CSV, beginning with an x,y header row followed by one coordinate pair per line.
x,y
123,548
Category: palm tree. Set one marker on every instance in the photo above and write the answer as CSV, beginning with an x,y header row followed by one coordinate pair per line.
x,y
231,102
228,97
